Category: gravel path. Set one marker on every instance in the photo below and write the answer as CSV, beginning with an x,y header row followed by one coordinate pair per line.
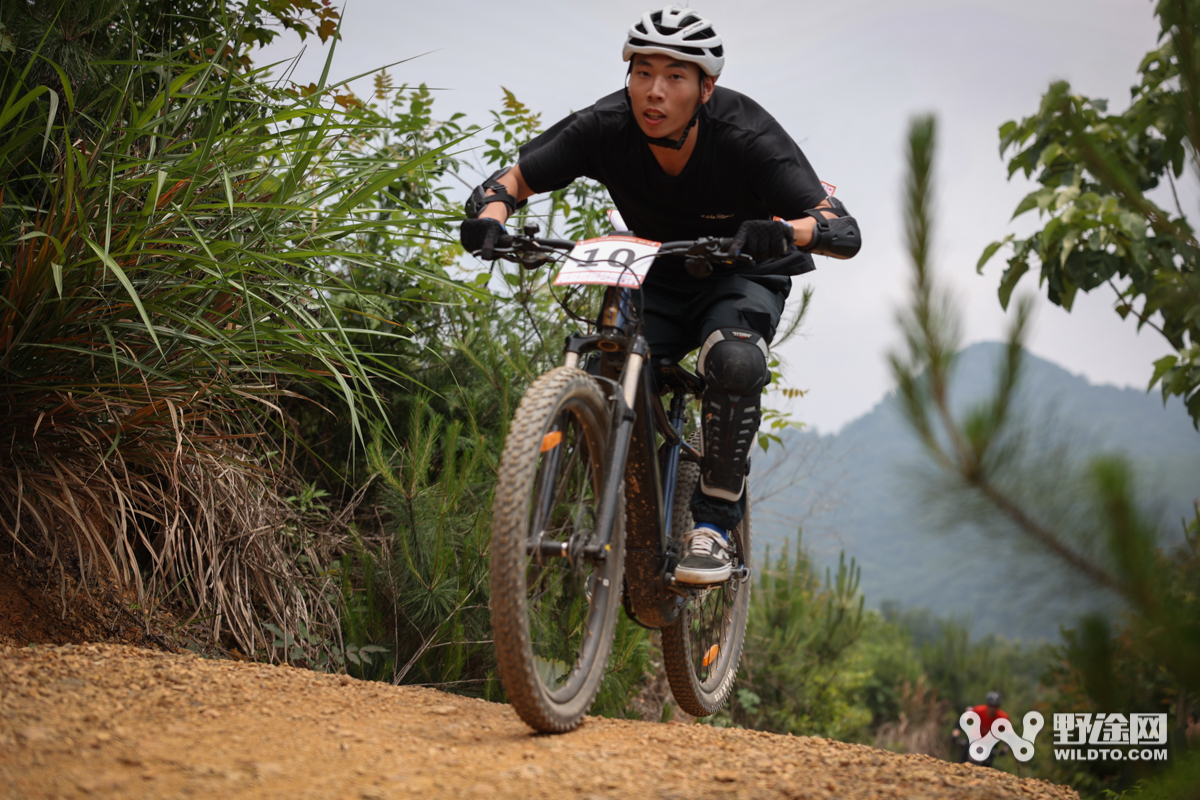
x,y
116,721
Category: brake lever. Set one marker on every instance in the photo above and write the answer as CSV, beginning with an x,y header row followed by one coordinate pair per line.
x,y
700,254
705,246
532,260
524,250
503,242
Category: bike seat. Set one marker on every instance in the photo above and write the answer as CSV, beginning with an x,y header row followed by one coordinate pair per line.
x,y
671,377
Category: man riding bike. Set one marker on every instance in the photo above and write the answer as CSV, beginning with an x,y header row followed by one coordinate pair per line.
x,y
989,711
683,158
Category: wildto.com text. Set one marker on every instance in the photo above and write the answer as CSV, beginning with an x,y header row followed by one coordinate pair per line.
x,y
1138,737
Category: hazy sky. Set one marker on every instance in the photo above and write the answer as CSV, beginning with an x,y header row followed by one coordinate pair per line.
x,y
843,78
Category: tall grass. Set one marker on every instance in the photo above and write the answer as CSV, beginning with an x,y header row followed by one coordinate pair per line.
x,y
172,267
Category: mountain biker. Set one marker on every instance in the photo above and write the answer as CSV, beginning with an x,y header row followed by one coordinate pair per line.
x,y
681,159
988,712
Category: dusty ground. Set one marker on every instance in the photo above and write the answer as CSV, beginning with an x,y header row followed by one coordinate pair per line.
x,y
32,609
39,605
118,721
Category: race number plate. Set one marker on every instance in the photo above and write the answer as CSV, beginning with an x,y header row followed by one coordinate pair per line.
x,y
609,261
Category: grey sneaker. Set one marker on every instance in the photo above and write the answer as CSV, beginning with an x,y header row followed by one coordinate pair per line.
x,y
704,558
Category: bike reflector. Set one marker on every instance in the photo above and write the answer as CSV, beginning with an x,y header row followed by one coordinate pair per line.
x,y
711,655
609,261
551,440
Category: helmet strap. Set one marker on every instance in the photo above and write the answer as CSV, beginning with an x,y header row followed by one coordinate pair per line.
x,y
664,141
676,144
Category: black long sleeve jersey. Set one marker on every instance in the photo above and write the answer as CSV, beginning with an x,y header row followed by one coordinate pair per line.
x,y
744,166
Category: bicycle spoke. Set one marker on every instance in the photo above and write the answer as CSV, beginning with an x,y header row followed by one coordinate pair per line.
x,y
702,650
548,470
560,596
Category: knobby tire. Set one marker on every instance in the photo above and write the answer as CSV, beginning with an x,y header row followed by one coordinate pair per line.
x,y
716,617
553,619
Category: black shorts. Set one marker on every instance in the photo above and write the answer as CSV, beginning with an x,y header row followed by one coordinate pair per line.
x,y
680,316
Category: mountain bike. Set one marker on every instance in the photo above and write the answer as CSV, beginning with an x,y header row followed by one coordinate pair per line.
x,y
594,490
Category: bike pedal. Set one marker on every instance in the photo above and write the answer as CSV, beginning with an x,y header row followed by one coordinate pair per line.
x,y
674,586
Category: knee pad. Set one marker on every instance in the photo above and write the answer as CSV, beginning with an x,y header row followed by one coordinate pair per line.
x,y
733,362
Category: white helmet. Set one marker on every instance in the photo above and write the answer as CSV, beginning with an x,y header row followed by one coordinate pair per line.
x,y
678,32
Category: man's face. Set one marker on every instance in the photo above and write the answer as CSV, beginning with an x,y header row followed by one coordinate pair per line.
x,y
664,93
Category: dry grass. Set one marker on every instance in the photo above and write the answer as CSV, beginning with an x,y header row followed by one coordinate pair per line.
x,y
170,260
190,519
921,727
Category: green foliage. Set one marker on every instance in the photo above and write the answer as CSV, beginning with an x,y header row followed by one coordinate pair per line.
x,y
815,663
430,574
512,126
925,670
419,590
964,671
73,40
774,421
1094,169
172,267
628,666
794,676
298,647
1178,784
885,650
1092,525
1119,665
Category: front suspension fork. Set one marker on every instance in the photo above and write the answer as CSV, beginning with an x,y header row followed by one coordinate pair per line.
x,y
618,443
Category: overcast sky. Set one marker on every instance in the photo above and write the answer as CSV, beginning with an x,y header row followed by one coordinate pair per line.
x,y
843,78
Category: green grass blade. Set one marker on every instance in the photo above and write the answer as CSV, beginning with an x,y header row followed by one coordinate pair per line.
x,y
124,279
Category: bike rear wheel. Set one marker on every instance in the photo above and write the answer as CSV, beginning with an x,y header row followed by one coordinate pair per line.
x,y
703,647
554,606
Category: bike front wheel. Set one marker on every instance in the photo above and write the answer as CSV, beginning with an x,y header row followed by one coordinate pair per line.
x,y
555,586
703,647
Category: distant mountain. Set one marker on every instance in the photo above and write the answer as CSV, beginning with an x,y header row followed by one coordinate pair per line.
x,y
865,490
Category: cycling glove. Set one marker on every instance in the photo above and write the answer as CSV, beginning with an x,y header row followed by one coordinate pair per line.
x,y
763,238
479,235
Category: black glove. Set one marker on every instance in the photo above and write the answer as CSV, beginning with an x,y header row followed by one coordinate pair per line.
x,y
763,238
479,236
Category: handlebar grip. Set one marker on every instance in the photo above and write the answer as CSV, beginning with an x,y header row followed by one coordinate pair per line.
x,y
682,247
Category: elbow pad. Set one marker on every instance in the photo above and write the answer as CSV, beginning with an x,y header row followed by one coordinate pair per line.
x,y
480,198
838,237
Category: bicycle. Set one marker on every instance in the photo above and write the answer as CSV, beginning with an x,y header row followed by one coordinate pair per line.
x,y
589,505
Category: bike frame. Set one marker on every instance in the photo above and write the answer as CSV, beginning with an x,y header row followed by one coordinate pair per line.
x,y
635,460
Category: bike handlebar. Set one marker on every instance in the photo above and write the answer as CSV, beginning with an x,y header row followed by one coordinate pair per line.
x,y
565,245
700,255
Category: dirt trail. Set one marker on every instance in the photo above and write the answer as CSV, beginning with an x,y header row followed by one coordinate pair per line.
x,y
116,721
